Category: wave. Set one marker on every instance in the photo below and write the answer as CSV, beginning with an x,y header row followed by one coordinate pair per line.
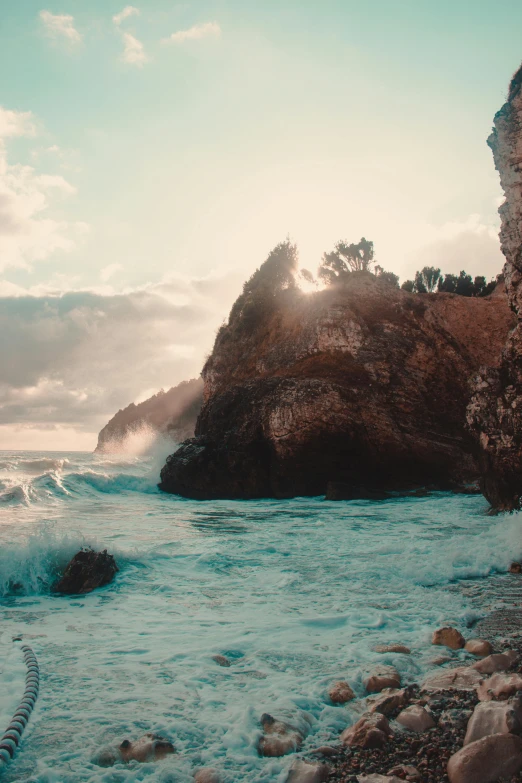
x,y
35,466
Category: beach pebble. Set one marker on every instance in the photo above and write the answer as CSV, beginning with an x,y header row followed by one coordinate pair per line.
x,y
392,648
340,692
207,775
499,687
494,717
371,731
405,772
378,779
486,760
463,678
278,738
388,700
416,718
308,772
382,677
478,647
448,637
221,660
498,662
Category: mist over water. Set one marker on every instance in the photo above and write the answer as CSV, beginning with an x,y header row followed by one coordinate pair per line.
x,y
295,592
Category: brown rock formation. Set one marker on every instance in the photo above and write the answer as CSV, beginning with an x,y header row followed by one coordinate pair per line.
x,y
172,413
495,410
362,384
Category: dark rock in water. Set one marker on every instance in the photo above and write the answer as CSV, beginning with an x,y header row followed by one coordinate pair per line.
x,y
278,738
221,660
150,747
87,571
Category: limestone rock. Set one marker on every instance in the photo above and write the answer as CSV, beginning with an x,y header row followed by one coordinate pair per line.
x,y
150,747
388,700
498,662
416,718
278,738
486,760
207,775
371,731
449,637
464,678
479,647
494,717
340,692
382,677
499,687
87,571
392,648
308,772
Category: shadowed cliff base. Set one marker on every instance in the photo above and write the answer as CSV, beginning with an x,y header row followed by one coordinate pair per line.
x,y
361,384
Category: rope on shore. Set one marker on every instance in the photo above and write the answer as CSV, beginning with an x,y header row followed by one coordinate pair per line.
x,y
11,737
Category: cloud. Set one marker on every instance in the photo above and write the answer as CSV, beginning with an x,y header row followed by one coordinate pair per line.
x,y
129,10
27,232
195,33
109,271
60,26
133,52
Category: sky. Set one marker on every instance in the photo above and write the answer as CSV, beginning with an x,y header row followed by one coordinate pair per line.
x,y
151,155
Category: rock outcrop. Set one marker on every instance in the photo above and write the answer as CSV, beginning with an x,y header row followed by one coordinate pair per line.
x,y
172,413
361,384
495,410
87,571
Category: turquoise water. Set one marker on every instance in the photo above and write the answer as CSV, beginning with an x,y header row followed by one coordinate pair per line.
x,y
295,592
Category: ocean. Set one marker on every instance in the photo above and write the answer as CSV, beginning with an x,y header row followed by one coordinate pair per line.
x,y
295,593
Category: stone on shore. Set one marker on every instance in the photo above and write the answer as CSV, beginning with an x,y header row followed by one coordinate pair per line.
x,y
278,738
405,772
340,692
86,571
382,677
499,687
416,718
374,778
464,678
207,775
371,731
388,700
392,648
478,647
494,717
308,772
486,760
448,637
498,662
150,747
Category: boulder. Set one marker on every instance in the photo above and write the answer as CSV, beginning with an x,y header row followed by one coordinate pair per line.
x,y
388,700
278,738
499,687
308,772
371,731
221,660
392,648
478,647
494,717
207,775
464,678
87,571
150,747
382,677
486,760
515,568
448,637
498,662
416,718
340,692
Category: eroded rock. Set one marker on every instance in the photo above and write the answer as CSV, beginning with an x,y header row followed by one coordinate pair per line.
x,y
279,738
308,772
486,760
416,718
340,692
382,677
87,571
448,637
499,687
388,700
494,717
479,647
370,731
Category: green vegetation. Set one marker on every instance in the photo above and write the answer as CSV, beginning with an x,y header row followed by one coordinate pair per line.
x,y
430,279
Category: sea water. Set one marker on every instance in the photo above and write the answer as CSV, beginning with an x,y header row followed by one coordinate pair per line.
x,y
295,593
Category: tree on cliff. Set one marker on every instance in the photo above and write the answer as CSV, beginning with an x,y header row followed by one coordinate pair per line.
x,y
386,277
344,259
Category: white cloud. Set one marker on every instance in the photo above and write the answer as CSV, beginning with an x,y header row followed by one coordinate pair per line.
x,y
129,10
134,52
15,123
60,26
195,33
109,271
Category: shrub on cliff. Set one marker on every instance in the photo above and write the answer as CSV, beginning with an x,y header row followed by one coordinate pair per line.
x,y
344,259
429,279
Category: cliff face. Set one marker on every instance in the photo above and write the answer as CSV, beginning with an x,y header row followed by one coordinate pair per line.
x,y
363,385
173,413
495,411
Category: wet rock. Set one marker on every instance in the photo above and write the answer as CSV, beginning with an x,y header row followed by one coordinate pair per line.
x,y
308,772
479,647
340,693
278,738
464,678
486,760
416,718
515,568
392,648
454,718
499,687
448,637
325,750
498,662
87,571
207,775
389,700
382,677
405,772
440,660
371,731
221,660
150,747
494,717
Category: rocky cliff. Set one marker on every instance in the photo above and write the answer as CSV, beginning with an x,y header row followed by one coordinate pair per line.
x,y
495,411
360,387
172,413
